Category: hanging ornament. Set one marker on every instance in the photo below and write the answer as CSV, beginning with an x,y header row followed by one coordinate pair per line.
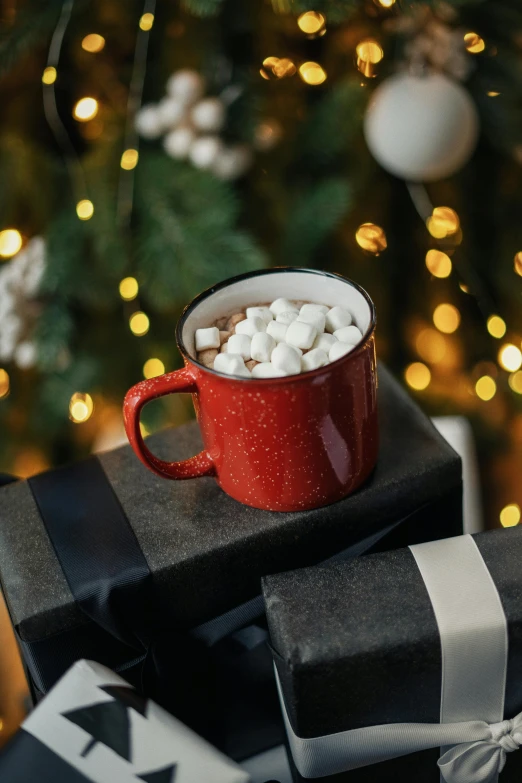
x,y
421,128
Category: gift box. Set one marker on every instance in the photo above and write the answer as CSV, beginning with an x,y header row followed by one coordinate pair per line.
x,y
145,575
404,665
93,726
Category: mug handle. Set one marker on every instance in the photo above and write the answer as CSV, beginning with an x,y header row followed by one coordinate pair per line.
x,y
178,381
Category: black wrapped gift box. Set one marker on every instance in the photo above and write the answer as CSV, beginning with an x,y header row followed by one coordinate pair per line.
x,y
206,553
357,644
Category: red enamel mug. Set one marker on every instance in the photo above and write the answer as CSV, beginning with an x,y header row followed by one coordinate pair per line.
x,y
282,444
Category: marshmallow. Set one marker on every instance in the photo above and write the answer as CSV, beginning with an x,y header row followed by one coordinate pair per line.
x,y
296,349
287,317
284,358
339,349
313,308
324,342
336,318
240,344
277,331
260,312
267,370
301,334
348,334
262,346
313,317
231,364
207,338
250,326
282,306
314,359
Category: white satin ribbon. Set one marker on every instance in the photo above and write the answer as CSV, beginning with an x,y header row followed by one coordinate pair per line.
x,y
473,737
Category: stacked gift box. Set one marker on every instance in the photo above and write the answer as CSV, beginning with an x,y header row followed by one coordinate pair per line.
x,y
161,581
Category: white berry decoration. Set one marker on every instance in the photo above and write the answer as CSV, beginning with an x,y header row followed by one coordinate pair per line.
x,y
186,85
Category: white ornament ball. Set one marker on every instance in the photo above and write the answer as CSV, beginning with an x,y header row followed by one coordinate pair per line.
x,y
233,162
25,355
186,85
177,143
421,128
208,115
171,112
205,151
148,122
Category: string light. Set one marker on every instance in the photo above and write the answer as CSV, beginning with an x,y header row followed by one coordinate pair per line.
x,y
496,326
49,75
311,22
280,68
312,73
417,376
464,287
129,159
517,263
85,109
443,222
139,323
431,345
371,237
510,357
510,515
93,43
81,407
153,368
515,382
369,53
85,209
474,43
446,318
385,3
438,263
493,94
128,288
485,388
4,383
10,242
146,21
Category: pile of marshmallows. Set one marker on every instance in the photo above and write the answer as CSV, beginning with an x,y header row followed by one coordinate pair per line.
x,y
277,340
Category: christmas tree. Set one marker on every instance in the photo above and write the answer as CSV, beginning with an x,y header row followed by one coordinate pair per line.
x,y
149,151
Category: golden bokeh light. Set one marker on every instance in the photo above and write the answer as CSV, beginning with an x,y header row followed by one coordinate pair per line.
x,y
152,368
4,383
93,43
517,263
515,382
139,323
438,263
10,242
146,22
128,288
431,345
463,287
417,375
144,430
29,462
311,22
49,75
474,43
85,109
443,222
85,209
385,3
369,53
129,159
446,318
312,73
510,357
81,407
485,388
510,515
278,67
371,237
496,326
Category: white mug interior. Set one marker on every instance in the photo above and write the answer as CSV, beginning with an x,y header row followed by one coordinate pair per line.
x,y
308,286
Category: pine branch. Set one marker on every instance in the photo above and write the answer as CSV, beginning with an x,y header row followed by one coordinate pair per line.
x,y
315,216
203,8
34,23
52,335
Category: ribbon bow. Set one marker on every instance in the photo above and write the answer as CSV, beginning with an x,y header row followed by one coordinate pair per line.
x,y
482,761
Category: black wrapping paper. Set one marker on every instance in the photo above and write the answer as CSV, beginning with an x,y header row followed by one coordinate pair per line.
x,y
356,644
